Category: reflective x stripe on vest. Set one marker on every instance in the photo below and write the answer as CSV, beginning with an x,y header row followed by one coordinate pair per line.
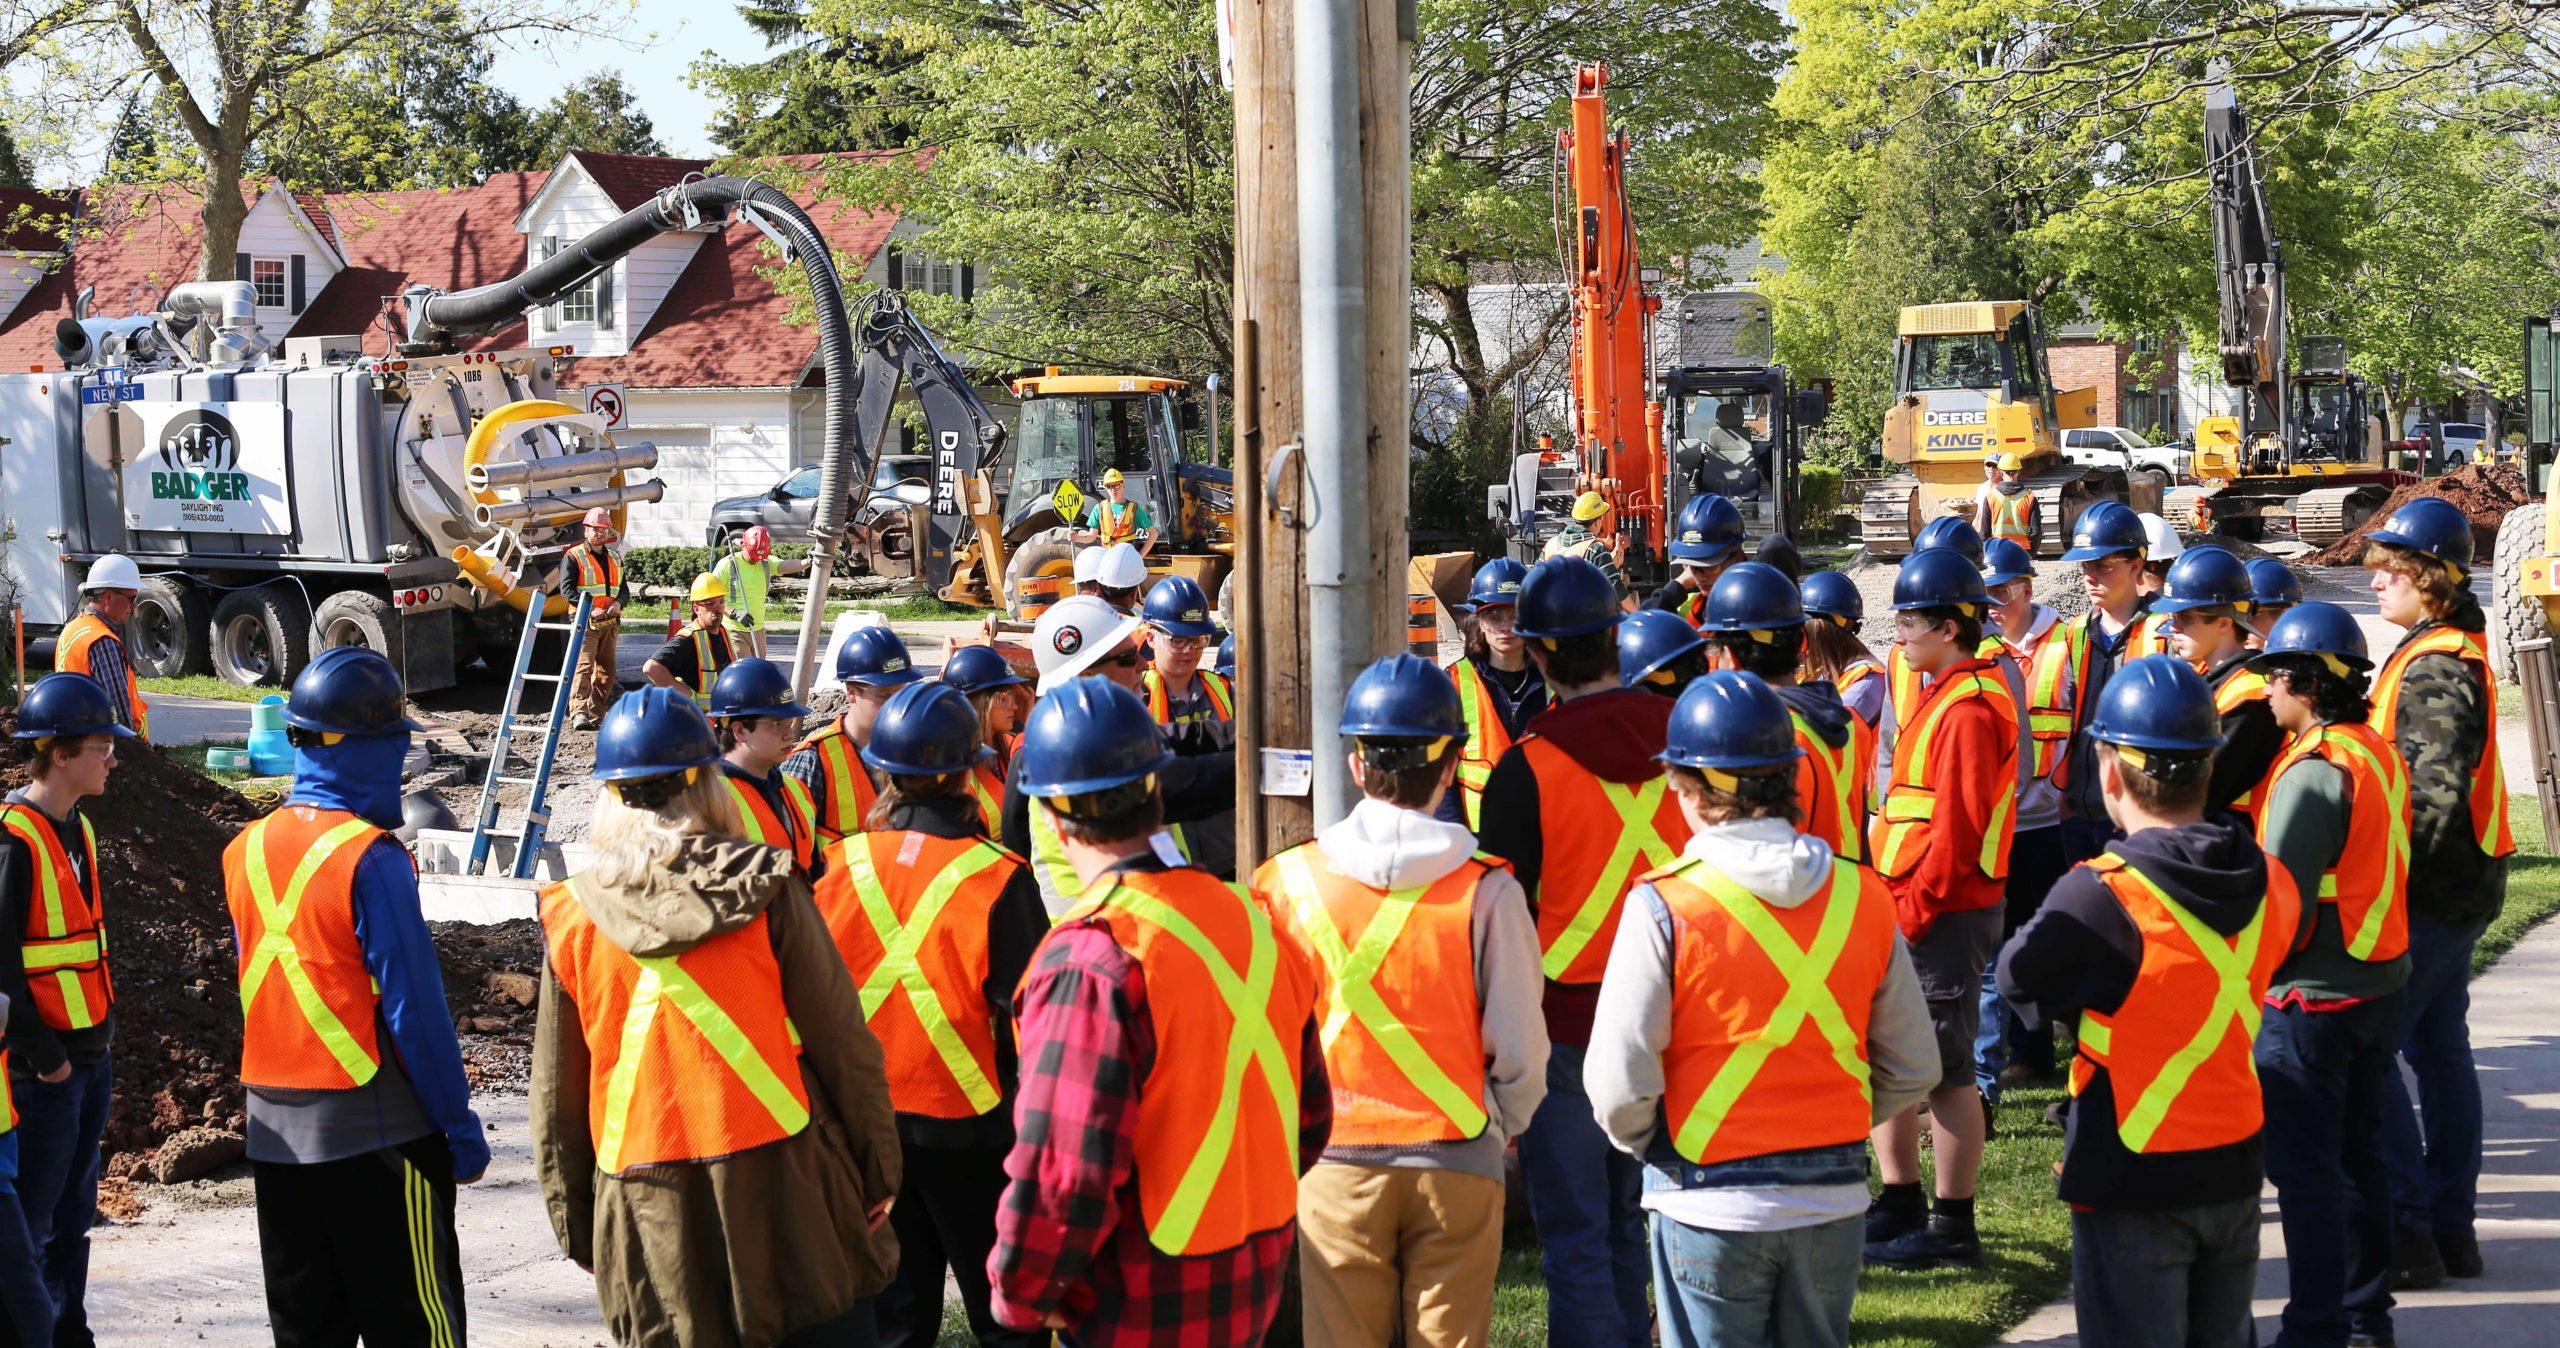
x,y
595,572
765,825
899,972
1488,739
1911,798
275,953
987,789
2488,783
1159,698
1116,523
2049,669
706,671
1575,949
1351,974
1806,972
64,945
2243,686
1830,791
2009,516
2370,878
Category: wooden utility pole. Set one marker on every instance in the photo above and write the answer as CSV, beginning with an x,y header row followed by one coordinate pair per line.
x,y
1275,647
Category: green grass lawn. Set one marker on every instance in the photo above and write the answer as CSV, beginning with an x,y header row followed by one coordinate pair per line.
x,y
205,685
2533,885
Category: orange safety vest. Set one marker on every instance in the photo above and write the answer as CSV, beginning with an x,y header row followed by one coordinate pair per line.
x,y
1905,824
2047,661
1903,685
310,1007
1600,835
2186,1081
1488,739
789,828
2488,783
1863,733
71,656
64,946
2009,516
1769,1008
1222,699
595,571
2245,685
909,911
692,1056
711,654
849,790
1115,523
1401,1020
1694,608
1830,790
986,787
1217,1133
2371,875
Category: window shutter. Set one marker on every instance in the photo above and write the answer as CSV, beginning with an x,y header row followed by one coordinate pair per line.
x,y
294,296
550,312
897,278
968,282
604,299
239,266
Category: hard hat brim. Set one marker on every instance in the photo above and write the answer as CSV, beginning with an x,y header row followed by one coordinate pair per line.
x,y
2092,552
1677,758
1085,786
895,678
1078,664
739,713
911,769
1183,629
639,773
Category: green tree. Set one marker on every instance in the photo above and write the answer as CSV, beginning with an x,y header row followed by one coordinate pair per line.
x,y
14,171
401,112
817,92
597,113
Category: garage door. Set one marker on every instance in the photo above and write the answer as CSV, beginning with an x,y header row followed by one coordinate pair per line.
x,y
693,483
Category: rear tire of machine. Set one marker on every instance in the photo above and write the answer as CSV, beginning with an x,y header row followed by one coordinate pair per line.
x,y
172,629
356,618
1045,553
2515,616
261,636
1227,602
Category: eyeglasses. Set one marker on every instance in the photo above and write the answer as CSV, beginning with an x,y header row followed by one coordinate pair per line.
x,y
1184,643
1124,660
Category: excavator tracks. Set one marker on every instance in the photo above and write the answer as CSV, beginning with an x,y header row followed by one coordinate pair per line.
x,y
2324,515
1893,510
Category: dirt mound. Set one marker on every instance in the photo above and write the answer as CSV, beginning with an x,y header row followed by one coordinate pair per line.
x,y
491,976
2484,492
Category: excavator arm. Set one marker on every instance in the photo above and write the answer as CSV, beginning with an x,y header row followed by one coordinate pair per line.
x,y
1617,424
2249,269
965,436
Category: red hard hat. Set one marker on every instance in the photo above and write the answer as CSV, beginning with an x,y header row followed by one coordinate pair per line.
x,y
599,518
758,543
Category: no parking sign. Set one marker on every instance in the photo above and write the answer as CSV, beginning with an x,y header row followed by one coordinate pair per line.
x,y
612,403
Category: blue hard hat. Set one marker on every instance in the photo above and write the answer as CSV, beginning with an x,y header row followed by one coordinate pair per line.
x,y
1177,606
753,687
1729,719
67,704
348,690
653,732
1227,656
2203,578
925,730
1828,594
1566,597
2004,561
2316,628
1752,597
1948,531
1088,735
2158,702
875,656
1938,578
1651,638
1403,695
2432,525
1709,527
2271,582
2105,529
975,669
1496,582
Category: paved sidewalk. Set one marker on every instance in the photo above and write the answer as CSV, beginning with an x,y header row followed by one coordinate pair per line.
x,y
2517,1041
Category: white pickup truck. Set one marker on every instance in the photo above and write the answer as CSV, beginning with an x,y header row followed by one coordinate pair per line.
x,y
2119,447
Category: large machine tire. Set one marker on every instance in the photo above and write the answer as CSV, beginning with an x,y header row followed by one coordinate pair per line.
x,y
358,618
2514,615
1048,554
171,635
1227,602
261,636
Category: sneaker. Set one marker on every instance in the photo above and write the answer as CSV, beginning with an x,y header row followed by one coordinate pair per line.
x,y
582,723
1884,1225
2415,1263
2461,1254
1932,1246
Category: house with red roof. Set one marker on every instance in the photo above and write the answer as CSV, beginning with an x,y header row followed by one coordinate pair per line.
x,y
709,366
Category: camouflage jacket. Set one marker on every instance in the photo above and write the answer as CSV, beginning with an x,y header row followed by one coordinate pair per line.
x,y
2443,729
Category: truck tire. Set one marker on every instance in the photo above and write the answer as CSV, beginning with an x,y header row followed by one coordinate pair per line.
x,y
1049,554
261,636
1227,602
171,635
358,618
2515,616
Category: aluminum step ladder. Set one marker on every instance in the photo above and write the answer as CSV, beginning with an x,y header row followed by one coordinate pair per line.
x,y
512,721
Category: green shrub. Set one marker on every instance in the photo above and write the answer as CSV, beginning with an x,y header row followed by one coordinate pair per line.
x,y
1819,486
665,566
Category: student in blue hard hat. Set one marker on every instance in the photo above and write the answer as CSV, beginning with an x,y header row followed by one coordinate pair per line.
x,y
1659,652
2206,595
1499,687
2273,588
1755,623
1705,540
757,721
2006,1052
826,770
2109,543
1002,698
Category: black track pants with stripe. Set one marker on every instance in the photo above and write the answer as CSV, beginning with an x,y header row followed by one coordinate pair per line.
x,y
362,1249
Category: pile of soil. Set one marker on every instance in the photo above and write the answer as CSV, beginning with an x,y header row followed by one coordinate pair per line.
x,y
491,977
2484,492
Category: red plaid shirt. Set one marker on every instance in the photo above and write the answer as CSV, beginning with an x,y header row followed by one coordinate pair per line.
x,y
1070,1239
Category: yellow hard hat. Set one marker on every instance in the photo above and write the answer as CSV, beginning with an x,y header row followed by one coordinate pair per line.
x,y
2011,463
708,586
1591,507
1112,478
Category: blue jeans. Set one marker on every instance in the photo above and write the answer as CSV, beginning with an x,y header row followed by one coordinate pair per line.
x,y
1755,1289
2035,863
1586,1198
25,1306
2323,1074
59,1126
2435,1184
2165,1278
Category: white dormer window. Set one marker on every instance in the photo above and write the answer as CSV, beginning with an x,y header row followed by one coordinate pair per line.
x,y
924,275
579,305
590,304
268,275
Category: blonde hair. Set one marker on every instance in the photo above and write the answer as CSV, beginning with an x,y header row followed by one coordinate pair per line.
x,y
631,841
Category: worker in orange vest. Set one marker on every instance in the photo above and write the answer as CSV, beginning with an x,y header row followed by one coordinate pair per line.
x,y
2005,1052
2109,543
1755,623
757,721
2003,507
1498,687
595,572
937,924
1173,1089
360,1121
1427,966
2436,700
702,1050
1759,1015
696,653
1001,699
2160,952
94,644
1941,841
1194,707
1580,808
2206,596
826,770
1706,540
1835,611
2336,814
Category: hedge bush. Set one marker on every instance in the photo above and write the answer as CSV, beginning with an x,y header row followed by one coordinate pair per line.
x,y
671,566
1819,485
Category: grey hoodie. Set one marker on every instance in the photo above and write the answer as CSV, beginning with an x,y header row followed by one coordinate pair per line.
x,y
1384,847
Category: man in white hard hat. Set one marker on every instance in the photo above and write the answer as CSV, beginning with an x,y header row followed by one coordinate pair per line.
x,y
593,570
94,643
1082,637
1120,573
2162,548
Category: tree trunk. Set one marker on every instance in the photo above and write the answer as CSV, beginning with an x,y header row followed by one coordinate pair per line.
x,y
224,212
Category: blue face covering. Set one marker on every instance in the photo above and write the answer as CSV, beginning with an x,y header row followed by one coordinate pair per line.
x,y
360,775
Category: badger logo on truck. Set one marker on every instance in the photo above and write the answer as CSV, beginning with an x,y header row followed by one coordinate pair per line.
x,y
202,453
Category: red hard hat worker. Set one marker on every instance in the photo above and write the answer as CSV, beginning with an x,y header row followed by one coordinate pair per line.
x,y
758,543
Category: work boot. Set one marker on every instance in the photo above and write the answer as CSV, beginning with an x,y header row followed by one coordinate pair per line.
x,y
1889,1220
2415,1263
1940,1244
2019,1074
2461,1254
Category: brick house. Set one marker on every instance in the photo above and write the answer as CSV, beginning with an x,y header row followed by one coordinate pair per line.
x,y
2138,380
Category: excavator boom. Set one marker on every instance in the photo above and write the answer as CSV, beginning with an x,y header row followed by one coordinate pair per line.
x,y
2248,266
1617,425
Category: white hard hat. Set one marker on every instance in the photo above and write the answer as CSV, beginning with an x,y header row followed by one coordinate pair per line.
x,y
1088,565
1121,568
2160,542
1074,633
115,571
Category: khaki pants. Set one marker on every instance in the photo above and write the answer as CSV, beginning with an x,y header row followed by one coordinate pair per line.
x,y
594,685
1384,1249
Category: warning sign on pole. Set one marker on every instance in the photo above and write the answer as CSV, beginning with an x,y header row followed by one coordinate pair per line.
x,y
611,402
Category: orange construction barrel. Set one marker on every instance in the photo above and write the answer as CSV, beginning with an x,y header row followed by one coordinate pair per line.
x,y
1422,627
1038,593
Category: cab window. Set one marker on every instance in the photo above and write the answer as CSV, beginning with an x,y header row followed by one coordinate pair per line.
x,y
1961,360
801,485
1120,435
1047,443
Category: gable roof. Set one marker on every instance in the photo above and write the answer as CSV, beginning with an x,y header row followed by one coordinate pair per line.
x,y
33,220
451,239
132,243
